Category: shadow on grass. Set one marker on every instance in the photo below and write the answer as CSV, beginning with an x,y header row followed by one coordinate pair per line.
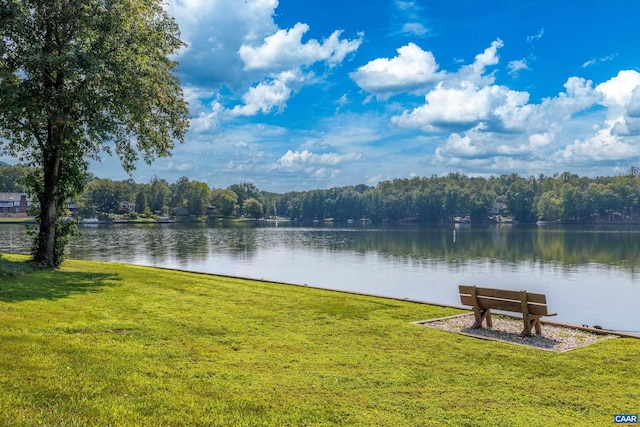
x,y
23,281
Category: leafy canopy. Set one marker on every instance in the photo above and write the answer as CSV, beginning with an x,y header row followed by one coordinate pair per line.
x,y
97,70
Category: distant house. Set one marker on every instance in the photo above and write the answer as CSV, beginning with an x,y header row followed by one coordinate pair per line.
x,y
127,207
14,203
179,211
212,210
498,209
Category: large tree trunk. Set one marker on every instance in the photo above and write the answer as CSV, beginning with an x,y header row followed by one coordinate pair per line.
x,y
45,253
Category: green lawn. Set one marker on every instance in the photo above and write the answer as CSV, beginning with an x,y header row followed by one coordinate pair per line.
x,y
16,220
104,344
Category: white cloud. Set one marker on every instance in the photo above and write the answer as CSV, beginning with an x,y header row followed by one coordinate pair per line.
x,y
414,28
633,108
619,90
241,144
517,65
412,69
540,140
408,19
622,97
536,37
596,61
475,73
462,106
178,167
601,147
297,158
266,96
284,50
489,56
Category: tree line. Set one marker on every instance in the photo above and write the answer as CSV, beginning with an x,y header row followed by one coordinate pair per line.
x,y
562,197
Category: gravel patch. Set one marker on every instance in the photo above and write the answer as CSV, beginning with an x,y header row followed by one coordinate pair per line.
x,y
507,329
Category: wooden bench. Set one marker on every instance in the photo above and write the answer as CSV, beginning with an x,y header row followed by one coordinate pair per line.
x,y
532,306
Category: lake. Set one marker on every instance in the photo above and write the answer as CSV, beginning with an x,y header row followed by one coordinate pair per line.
x,y
590,274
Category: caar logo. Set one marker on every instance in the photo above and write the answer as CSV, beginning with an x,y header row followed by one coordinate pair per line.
x,y
625,419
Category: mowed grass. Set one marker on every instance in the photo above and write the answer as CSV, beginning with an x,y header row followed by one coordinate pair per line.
x,y
102,344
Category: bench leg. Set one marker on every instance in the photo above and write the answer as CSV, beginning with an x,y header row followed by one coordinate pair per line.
x,y
482,314
529,322
538,326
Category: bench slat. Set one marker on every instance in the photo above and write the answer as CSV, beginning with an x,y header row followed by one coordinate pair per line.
x,y
508,305
503,294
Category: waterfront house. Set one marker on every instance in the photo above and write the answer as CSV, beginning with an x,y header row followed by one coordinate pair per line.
x,y
14,203
127,207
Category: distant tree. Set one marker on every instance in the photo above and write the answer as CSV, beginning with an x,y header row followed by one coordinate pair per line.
x,y
253,208
13,179
549,208
141,202
159,193
198,196
78,78
520,200
103,195
245,191
225,201
179,192
573,203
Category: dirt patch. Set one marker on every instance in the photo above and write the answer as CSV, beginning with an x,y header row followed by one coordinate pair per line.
x,y
507,329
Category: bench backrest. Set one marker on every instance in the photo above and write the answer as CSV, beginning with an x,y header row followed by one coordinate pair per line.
x,y
501,299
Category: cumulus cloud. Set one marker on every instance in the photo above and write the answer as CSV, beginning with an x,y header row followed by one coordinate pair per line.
x,y
475,73
415,69
284,50
412,69
266,96
602,146
464,106
619,90
622,97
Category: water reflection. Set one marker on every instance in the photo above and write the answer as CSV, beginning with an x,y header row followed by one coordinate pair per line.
x,y
579,268
619,247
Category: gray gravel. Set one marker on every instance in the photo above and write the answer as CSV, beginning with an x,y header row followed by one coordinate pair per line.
x,y
507,329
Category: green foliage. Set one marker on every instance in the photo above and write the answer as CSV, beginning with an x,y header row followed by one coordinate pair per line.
x,y
252,208
244,191
225,201
13,179
104,344
159,194
141,202
147,213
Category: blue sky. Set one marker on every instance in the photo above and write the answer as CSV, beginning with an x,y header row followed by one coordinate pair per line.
x,y
304,94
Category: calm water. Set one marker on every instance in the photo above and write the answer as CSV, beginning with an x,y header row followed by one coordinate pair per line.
x,y
590,275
